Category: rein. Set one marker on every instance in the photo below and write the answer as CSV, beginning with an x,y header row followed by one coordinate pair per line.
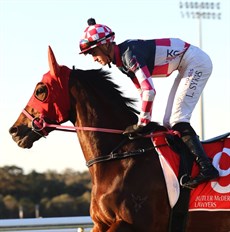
x,y
39,124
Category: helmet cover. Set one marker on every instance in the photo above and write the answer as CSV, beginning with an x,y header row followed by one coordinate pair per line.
x,y
95,35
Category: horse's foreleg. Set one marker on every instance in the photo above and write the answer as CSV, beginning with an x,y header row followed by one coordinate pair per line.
x,y
120,226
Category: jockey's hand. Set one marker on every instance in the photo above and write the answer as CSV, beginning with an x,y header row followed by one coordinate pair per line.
x,y
141,130
133,130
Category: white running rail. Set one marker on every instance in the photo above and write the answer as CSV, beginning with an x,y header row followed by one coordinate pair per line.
x,y
56,224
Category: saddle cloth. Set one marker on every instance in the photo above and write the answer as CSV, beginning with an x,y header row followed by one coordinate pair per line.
x,y
210,196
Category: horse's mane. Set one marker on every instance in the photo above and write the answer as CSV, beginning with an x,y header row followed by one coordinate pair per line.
x,y
102,81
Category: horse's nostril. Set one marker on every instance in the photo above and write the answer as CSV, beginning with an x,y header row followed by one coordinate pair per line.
x,y
13,130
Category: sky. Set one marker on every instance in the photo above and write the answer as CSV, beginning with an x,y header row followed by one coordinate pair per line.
x,y
28,27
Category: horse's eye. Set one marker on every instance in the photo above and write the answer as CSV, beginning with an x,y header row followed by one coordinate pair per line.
x,y
41,92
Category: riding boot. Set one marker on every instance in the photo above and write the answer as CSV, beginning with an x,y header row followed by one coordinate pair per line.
x,y
191,140
207,170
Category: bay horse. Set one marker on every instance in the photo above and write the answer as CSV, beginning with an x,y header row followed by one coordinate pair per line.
x,y
128,187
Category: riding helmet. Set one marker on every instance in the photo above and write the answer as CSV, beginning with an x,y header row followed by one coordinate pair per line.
x,y
95,35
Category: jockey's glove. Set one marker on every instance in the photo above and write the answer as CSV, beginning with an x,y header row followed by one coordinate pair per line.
x,y
136,130
133,130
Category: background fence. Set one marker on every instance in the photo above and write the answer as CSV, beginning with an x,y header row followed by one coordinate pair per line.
x,y
58,224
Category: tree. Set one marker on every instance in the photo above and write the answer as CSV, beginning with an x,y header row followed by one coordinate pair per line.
x,y
11,205
2,207
62,205
56,195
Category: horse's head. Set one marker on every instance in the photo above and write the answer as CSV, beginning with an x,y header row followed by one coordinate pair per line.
x,y
49,103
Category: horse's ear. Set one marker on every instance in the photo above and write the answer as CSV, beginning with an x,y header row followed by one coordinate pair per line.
x,y
54,66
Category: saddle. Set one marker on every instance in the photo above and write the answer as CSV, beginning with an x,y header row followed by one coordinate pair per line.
x,y
185,199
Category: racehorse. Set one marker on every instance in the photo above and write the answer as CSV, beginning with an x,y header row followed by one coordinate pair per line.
x,y
128,186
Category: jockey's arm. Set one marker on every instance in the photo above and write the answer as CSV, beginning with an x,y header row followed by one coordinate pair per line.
x,y
144,84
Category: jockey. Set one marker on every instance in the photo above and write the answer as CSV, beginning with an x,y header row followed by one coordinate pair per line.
x,y
142,60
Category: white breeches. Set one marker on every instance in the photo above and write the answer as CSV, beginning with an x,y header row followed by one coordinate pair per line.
x,y
194,71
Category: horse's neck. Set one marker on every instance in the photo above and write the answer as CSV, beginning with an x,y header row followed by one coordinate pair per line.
x,y
96,144
92,107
